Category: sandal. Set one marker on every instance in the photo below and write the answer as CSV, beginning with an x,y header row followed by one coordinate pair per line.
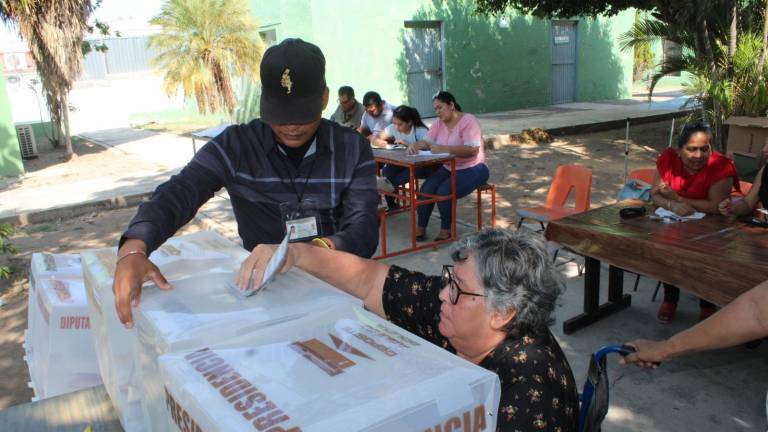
x,y
421,237
666,312
441,238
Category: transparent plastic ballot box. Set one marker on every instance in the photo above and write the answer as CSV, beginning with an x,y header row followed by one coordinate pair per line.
x,y
206,310
180,258
339,369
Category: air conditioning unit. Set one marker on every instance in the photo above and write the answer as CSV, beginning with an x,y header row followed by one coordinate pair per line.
x,y
26,141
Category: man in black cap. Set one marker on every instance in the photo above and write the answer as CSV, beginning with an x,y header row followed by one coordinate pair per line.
x,y
288,172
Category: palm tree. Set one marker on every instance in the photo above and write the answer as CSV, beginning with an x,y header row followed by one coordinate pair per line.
x,y
203,43
54,31
726,80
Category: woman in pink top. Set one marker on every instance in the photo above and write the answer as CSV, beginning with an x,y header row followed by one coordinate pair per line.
x,y
459,134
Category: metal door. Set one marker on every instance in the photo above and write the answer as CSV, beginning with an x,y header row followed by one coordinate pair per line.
x,y
424,55
563,61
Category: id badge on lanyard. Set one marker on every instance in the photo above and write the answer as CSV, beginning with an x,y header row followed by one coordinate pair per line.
x,y
301,220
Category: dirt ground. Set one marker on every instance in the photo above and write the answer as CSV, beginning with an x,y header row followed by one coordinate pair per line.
x,y
522,174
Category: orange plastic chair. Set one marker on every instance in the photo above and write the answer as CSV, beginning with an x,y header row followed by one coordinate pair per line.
x,y
643,174
567,178
745,188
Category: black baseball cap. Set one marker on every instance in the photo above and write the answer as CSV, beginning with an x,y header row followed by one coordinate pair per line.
x,y
292,82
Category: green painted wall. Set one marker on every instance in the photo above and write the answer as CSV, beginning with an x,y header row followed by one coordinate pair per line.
x,y
10,154
487,67
604,71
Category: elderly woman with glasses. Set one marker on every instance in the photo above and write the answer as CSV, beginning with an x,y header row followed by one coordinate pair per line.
x,y
491,307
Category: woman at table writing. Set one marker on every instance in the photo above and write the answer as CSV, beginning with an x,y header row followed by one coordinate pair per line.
x,y
758,193
691,178
459,134
406,129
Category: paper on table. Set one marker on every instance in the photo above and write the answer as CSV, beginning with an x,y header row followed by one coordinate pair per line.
x,y
273,269
672,216
429,153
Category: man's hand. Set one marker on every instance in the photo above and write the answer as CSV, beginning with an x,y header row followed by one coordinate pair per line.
x,y
649,353
252,269
131,272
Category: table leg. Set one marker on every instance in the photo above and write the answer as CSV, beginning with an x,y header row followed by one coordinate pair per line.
x,y
453,199
593,311
412,194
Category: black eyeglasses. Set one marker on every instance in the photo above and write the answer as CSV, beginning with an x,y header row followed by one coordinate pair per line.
x,y
454,292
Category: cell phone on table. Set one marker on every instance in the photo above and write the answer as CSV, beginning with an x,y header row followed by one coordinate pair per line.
x,y
757,222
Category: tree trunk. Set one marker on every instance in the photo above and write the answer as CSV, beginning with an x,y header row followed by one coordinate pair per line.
x,y
714,79
65,118
732,37
761,62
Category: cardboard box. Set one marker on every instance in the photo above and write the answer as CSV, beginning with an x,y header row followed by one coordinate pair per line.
x,y
59,345
340,369
747,134
179,258
203,311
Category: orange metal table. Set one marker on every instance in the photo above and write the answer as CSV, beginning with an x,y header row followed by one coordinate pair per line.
x,y
412,199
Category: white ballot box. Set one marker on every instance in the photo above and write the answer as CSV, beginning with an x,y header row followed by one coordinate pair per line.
x,y
59,345
340,369
203,310
179,258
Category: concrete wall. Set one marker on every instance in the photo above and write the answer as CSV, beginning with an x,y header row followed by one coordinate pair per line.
x,y
10,154
605,72
487,67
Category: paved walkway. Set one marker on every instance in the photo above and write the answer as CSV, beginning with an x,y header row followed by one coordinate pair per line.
x,y
165,154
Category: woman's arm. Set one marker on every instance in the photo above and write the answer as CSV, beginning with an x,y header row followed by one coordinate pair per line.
x,y
462,151
747,205
381,139
360,277
717,193
743,320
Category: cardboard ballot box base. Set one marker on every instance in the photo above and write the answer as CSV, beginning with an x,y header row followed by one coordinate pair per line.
x,y
340,369
180,258
59,346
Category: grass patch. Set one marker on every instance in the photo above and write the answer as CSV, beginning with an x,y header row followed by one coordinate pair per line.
x,y
181,121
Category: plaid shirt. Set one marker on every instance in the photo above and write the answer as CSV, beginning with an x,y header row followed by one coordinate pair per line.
x,y
338,172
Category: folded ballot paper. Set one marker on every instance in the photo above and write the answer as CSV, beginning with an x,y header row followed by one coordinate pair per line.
x,y
339,368
272,269
670,216
200,311
179,259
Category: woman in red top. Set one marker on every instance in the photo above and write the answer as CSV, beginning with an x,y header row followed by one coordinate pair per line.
x,y
691,178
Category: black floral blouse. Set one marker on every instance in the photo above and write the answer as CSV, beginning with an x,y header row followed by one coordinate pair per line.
x,y
538,392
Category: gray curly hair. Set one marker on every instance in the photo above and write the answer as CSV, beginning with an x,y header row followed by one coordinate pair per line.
x,y
517,274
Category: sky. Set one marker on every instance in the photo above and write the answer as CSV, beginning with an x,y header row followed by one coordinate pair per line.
x,y
130,17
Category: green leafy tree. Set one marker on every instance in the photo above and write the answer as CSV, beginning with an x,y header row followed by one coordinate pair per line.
x,y
202,44
54,31
6,248
643,56
707,31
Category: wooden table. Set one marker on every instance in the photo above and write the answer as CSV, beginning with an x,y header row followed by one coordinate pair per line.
x,y
71,412
411,198
717,258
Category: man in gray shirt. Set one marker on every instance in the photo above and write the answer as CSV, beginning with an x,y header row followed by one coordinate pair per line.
x,y
350,111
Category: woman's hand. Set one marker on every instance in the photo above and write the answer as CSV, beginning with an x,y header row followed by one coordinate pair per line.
x,y
252,269
725,207
667,192
649,353
416,147
682,209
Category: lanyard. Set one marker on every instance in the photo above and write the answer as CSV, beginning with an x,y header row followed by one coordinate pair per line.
x,y
299,197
